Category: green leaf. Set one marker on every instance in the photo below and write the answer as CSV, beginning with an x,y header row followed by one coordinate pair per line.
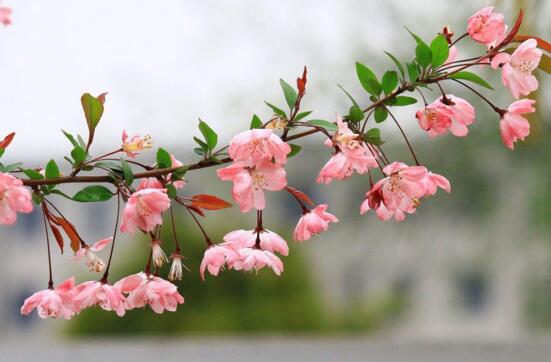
x,y
417,38
93,194
413,71
289,92
2,150
70,138
380,114
163,158
294,150
324,124
389,81
302,115
256,122
199,151
471,77
349,96
78,154
81,141
210,136
171,191
179,173
93,110
276,110
52,171
403,101
398,64
423,54
10,168
202,144
373,136
127,172
355,114
37,198
108,164
368,79
440,50
545,63
33,174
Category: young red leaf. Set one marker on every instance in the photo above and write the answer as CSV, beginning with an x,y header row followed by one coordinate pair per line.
x,y
58,236
196,210
514,29
300,195
7,140
209,202
542,44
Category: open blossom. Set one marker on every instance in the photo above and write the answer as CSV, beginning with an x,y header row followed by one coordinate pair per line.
x,y
131,145
143,210
14,197
149,183
250,182
52,303
487,27
5,15
313,222
267,240
255,258
94,262
517,68
398,194
446,113
108,297
352,155
214,259
150,290
256,145
513,126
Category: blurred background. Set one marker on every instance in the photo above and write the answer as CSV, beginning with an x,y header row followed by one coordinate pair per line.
x,y
467,278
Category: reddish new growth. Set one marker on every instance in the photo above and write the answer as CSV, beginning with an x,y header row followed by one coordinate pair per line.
x,y
257,158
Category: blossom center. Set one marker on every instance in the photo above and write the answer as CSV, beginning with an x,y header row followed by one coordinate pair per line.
x,y
143,209
525,67
257,146
259,180
396,184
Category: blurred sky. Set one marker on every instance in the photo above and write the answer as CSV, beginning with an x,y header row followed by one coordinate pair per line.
x,y
165,63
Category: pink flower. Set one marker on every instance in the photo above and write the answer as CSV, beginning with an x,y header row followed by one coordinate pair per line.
x,y
258,145
52,303
14,197
352,155
144,209
108,297
136,143
5,15
254,258
487,27
398,194
513,126
250,182
150,290
214,259
94,263
149,183
313,222
449,112
517,68
266,240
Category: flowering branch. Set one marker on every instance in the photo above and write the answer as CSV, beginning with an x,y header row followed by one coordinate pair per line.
x,y
254,161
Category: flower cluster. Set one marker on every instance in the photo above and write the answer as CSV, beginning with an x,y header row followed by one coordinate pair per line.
x,y
68,299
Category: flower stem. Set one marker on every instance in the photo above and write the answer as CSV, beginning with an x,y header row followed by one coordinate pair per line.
x,y
106,274
50,280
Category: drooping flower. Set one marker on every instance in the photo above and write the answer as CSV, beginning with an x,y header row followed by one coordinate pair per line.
x,y
352,155
517,68
398,194
446,113
266,240
158,255
313,222
108,297
214,259
513,126
258,145
487,27
134,144
255,258
5,15
143,210
14,197
250,182
94,262
149,183
150,290
52,303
